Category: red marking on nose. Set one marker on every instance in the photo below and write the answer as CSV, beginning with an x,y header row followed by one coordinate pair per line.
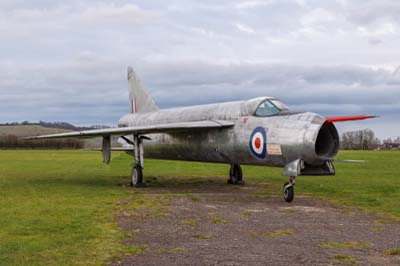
x,y
257,143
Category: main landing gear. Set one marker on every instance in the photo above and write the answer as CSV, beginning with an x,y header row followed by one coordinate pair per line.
x,y
288,189
137,170
235,175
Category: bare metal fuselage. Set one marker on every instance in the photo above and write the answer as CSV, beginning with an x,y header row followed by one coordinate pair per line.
x,y
288,137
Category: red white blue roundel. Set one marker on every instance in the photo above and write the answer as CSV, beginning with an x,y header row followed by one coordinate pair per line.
x,y
258,142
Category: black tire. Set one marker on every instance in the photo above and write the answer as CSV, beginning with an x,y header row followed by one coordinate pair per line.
x,y
231,179
235,175
136,176
232,175
240,173
240,180
288,193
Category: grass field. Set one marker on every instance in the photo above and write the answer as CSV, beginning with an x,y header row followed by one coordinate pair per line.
x,y
57,207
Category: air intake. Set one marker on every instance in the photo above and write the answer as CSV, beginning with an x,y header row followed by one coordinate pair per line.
x,y
327,144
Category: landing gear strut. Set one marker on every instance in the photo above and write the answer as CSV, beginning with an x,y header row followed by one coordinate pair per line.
x,y
235,175
137,170
288,189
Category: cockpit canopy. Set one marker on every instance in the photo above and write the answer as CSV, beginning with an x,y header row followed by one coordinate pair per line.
x,y
271,107
264,106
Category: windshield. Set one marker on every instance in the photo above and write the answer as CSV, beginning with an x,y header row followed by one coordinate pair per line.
x,y
270,107
280,105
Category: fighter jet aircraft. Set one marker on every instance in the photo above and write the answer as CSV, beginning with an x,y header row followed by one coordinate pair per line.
x,y
260,131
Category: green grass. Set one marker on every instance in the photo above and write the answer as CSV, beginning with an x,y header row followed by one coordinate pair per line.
x,y
161,250
376,229
202,237
273,234
247,213
218,221
214,213
372,186
58,207
191,222
344,259
393,252
345,245
178,250
279,233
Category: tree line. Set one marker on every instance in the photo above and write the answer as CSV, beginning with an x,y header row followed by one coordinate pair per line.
x,y
365,140
14,142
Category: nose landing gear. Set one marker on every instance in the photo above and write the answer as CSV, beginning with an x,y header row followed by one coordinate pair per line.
x,y
288,189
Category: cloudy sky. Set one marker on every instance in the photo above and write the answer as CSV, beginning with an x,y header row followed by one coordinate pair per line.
x,y
66,60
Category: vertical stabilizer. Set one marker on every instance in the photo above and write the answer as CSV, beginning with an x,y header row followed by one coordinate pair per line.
x,y
139,98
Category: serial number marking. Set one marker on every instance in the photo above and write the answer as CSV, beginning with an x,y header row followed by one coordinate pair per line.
x,y
274,149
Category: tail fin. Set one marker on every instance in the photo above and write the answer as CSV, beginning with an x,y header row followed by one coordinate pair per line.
x,y
139,98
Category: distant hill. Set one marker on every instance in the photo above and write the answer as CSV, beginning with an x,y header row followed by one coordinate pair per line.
x,y
11,133
10,138
29,130
57,125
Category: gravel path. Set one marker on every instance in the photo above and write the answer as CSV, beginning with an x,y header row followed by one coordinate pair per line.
x,y
217,224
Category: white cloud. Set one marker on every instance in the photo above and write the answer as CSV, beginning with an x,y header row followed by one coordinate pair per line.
x,y
253,4
245,28
329,56
113,15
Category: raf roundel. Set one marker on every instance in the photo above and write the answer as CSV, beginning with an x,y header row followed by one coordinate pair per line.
x,y
258,142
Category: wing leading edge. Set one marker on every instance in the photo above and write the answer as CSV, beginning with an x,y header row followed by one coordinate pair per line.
x,y
122,131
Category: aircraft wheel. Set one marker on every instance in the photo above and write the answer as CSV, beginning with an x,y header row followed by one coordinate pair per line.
x,y
235,175
137,177
288,193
